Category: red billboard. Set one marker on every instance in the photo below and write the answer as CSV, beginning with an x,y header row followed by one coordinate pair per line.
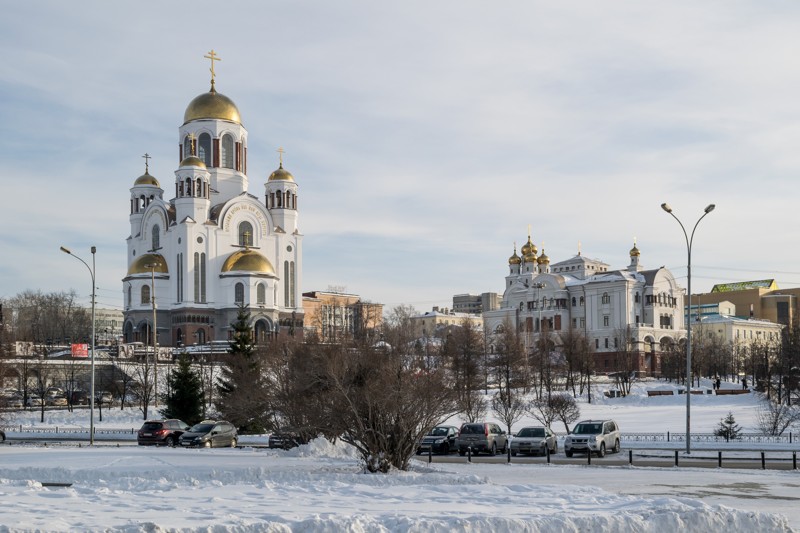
x,y
80,350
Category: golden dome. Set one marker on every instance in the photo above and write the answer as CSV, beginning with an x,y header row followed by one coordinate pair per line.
x,y
281,174
193,161
249,261
514,259
212,105
143,264
634,250
146,179
543,259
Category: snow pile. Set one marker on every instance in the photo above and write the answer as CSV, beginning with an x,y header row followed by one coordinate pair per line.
x,y
324,448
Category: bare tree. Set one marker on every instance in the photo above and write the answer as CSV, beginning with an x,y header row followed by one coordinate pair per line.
x,y
510,366
578,359
464,351
773,418
566,409
626,360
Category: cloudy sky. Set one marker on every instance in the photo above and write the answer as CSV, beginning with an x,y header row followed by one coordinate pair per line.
x,y
425,136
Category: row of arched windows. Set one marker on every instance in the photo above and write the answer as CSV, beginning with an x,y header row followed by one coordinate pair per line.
x,y
192,188
282,200
223,152
139,203
261,294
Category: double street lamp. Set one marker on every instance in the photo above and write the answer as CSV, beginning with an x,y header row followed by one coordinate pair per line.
x,y
689,239
94,287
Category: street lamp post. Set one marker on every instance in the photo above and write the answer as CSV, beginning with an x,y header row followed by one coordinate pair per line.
x,y
689,241
152,267
91,389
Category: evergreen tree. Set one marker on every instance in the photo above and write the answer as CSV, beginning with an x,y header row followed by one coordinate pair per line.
x,y
728,428
242,386
184,397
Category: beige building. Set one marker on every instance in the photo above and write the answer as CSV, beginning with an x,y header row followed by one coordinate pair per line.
x,y
761,299
439,319
476,303
333,315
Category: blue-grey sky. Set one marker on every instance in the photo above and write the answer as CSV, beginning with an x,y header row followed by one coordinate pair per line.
x,y
425,136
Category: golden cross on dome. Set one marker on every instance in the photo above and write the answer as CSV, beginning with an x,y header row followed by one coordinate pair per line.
x,y
191,144
146,162
213,57
280,151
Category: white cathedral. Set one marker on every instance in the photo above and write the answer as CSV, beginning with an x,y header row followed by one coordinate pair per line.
x,y
633,308
214,246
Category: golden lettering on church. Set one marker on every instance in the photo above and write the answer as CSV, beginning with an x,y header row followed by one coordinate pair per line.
x,y
262,221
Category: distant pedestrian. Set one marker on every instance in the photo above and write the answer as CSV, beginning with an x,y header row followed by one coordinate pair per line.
x,y
744,383
718,383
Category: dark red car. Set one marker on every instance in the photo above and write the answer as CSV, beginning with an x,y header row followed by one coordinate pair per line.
x,y
161,432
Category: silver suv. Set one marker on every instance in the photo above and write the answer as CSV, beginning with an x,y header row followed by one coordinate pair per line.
x,y
593,436
481,437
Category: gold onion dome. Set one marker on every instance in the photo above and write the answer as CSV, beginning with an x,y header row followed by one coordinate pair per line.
x,y
212,105
543,259
281,174
248,261
144,264
193,161
514,259
146,179
634,251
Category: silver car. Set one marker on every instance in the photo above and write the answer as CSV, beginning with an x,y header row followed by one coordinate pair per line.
x,y
534,440
593,436
481,437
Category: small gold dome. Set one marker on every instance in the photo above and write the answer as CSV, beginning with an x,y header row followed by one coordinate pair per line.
x,y
193,161
212,105
543,259
143,264
146,179
248,261
634,251
514,259
281,174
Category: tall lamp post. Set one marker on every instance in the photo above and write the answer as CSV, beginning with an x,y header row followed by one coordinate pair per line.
x,y
91,389
152,267
689,240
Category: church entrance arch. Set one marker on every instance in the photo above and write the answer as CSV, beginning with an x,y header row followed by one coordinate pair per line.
x,y
263,330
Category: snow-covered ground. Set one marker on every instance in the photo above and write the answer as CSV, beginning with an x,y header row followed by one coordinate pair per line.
x,y
321,487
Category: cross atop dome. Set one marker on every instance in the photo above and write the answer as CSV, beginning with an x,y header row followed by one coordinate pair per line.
x,y
213,57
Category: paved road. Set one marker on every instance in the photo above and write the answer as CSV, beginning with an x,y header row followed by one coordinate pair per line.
x,y
778,460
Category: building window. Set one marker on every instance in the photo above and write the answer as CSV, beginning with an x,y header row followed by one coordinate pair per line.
x,y
573,301
636,298
187,147
261,294
238,296
597,343
581,301
605,321
146,294
606,342
245,234
156,238
204,148
130,300
227,151
606,298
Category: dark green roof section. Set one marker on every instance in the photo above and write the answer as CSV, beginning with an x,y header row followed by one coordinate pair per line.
x,y
745,285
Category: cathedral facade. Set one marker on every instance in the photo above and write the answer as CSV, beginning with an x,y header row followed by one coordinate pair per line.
x,y
213,246
632,309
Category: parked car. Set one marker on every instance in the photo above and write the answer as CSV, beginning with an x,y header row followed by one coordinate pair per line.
x,y
34,401
534,440
593,436
161,432
286,438
441,439
79,397
481,437
12,402
210,434
56,401
103,398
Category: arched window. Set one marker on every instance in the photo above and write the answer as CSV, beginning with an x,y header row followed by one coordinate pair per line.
x,y
581,301
145,294
245,234
573,301
187,147
606,298
636,298
261,294
130,298
156,238
204,148
238,296
227,151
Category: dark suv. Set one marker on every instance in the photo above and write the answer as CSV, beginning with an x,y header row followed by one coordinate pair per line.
x,y
441,439
210,434
161,432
